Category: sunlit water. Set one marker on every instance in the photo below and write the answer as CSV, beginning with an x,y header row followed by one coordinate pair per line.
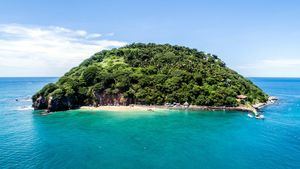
x,y
166,139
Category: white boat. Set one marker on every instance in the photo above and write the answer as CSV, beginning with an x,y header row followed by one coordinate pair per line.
x,y
260,116
250,115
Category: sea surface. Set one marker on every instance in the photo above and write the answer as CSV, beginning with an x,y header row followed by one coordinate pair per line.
x,y
144,140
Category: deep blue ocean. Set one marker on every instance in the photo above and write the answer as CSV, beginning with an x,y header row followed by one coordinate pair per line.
x,y
166,139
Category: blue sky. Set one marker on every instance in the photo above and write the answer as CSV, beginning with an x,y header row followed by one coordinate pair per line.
x,y
47,38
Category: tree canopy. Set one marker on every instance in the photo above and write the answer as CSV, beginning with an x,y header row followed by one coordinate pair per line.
x,y
153,74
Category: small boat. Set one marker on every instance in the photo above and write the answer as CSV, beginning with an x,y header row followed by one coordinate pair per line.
x,y
250,115
260,116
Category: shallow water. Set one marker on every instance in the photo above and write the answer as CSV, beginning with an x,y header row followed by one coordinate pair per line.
x,y
164,139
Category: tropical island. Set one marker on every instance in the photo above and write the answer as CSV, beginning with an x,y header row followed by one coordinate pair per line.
x,y
151,75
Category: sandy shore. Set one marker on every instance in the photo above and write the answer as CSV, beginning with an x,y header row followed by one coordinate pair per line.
x,y
156,108
125,108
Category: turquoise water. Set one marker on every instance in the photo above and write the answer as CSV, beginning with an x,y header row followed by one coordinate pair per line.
x,y
166,139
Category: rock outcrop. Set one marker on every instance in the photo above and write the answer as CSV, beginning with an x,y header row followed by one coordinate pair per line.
x,y
40,103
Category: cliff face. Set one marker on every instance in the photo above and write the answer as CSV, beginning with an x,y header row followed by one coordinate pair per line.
x,y
148,74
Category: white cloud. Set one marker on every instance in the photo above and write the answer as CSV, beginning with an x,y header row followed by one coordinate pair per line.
x,y
46,51
282,63
110,34
276,67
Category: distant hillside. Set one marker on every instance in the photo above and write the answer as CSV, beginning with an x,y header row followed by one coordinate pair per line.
x,y
148,74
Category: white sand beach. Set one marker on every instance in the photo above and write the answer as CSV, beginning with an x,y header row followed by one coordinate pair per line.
x,y
125,108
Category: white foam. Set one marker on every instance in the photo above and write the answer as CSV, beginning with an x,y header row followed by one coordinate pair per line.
x,y
23,108
27,100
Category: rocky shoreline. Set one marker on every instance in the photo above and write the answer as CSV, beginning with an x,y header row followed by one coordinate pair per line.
x,y
41,103
247,108
250,108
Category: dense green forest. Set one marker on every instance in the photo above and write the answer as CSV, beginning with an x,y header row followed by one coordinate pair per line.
x,y
149,74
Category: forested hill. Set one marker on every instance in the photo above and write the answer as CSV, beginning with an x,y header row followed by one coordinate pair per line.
x,y
148,74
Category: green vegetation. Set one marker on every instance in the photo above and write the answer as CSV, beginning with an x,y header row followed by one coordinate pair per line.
x,y
152,74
